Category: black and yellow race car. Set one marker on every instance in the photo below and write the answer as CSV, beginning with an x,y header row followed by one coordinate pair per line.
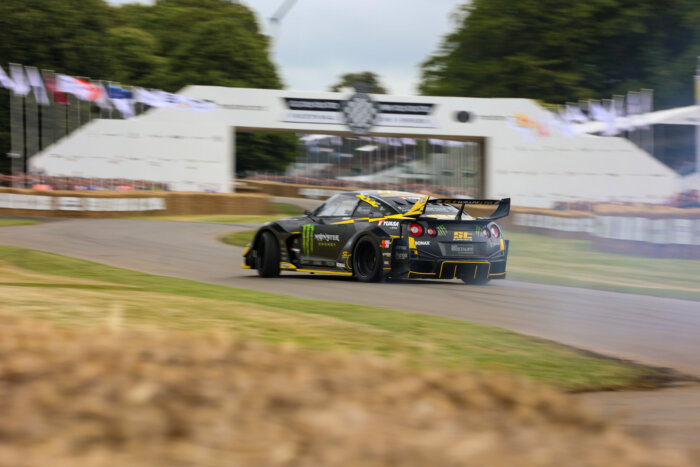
x,y
373,235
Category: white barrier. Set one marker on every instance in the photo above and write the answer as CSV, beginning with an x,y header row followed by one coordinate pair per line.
x,y
74,203
639,229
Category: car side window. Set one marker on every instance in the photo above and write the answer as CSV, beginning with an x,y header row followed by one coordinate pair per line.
x,y
364,209
338,206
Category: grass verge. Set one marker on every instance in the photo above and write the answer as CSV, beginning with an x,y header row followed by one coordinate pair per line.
x,y
539,258
9,222
550,260
76,293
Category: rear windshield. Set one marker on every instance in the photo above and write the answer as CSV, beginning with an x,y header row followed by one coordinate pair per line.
x,y
405,203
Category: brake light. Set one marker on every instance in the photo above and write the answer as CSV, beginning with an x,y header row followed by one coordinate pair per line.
x,y
431,231
495,231
486,232
415,229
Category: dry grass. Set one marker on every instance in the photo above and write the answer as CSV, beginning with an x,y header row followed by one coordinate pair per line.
x,y
111,396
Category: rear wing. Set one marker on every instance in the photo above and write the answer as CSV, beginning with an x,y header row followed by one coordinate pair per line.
x,y
502,209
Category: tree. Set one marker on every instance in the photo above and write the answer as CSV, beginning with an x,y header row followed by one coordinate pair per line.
x,y
371,80
65,35
168,45
136,56
565,51
264,151
557,51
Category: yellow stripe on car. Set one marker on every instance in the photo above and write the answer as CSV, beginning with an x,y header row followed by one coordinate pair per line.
x,y
418,208
368,200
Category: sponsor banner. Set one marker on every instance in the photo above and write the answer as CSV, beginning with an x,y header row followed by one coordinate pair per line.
x,y
331,111
73,203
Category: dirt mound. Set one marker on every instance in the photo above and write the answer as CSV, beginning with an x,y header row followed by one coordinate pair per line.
x,y
95,397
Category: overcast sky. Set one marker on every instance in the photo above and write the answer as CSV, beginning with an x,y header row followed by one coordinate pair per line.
x,y
319,40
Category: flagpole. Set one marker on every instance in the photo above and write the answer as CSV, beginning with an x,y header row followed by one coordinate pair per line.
x,y
16,131
697,127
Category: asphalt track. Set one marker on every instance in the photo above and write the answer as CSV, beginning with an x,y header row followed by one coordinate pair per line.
x,y
656,331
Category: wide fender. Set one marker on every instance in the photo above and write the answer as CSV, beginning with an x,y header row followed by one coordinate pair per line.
x,y
278,231
382,238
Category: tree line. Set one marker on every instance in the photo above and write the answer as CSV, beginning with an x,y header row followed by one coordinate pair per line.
x,y
166,46
557,51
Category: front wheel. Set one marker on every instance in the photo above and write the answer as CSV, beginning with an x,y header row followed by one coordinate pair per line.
x,y
267,256
367,260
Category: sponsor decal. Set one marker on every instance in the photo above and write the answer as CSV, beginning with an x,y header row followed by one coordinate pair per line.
x,y
401,255
442,230
320,239
392,224
307,238
243,107
360,112
422,243
324,237
486,202
339,265
346,254
462,249
385,243
462,236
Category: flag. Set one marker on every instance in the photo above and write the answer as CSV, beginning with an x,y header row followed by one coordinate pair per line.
x,y
83,90
598,113
156,98
122,99
58,97
196,105
37,85
561,121
21,87
601,114
575,114
5,80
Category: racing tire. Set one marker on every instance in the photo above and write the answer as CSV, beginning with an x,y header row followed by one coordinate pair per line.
x,y
267,256
367,260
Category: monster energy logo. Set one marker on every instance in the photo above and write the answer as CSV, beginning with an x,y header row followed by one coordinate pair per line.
x,y
307,239
442,230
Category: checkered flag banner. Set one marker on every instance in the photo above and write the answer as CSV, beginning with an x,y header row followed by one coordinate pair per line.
x,y
360,113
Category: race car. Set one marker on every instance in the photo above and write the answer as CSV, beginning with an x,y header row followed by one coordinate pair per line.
x,y
377,235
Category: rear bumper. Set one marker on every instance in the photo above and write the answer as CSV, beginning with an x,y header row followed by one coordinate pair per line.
x,y
451,269
493,267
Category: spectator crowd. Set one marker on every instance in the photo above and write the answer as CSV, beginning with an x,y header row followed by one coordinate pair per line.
x,y
45,182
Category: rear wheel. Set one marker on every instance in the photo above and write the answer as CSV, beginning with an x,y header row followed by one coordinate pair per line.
x,y
267,256
367,260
